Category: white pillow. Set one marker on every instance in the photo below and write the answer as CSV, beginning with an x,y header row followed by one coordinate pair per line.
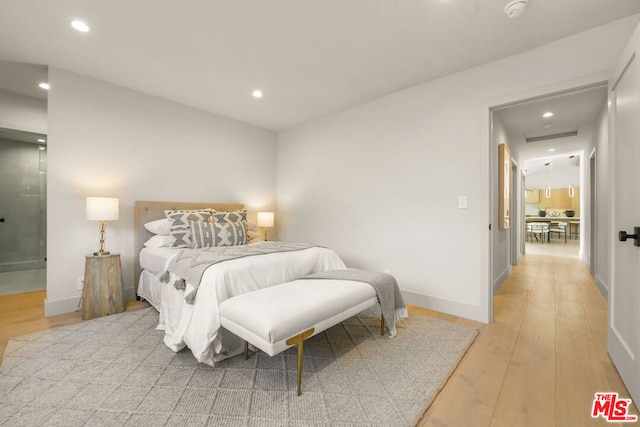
x,y
159,226
158,241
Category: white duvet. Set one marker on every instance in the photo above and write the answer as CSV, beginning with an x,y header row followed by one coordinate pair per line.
x,y
198,327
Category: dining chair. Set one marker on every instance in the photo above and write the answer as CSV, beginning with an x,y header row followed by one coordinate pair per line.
x,y
560,228
535,228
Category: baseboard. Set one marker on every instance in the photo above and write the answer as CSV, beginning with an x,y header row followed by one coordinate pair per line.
x,y
455,308
585,260
501,278
69,305
61,306
604,289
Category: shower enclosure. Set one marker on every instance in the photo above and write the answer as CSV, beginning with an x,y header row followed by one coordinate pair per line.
x,y
23,171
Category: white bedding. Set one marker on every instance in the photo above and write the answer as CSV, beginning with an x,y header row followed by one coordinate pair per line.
x,y
156,260
150,288
197,326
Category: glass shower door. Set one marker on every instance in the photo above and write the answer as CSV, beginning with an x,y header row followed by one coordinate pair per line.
x,y
23,167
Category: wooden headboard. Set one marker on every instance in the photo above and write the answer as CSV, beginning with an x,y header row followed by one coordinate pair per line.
x,y
149,211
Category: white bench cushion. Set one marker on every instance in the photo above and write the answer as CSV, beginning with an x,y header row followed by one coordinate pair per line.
x,y
268,317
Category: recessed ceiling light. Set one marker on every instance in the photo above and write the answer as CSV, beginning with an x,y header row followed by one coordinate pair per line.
x,y
41,140
42,148
80,26
257,93
44,85
547,114
552,149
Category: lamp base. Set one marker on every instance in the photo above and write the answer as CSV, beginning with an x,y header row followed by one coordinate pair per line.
x,y
101,253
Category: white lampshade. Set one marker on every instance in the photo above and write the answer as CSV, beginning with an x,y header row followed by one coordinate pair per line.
x,y
102,208
265,219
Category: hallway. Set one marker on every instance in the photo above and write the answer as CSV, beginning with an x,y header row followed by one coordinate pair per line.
x,y
542,359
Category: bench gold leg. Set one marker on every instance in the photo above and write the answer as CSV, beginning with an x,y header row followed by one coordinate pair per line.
x,y
299,341
381,326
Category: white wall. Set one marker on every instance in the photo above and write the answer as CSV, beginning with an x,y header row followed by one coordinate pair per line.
x,y
105,140
23,113
558,177
602,267
380,182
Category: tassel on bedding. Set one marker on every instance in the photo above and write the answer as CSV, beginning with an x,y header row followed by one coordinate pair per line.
x,y
191,297
165,277
180,284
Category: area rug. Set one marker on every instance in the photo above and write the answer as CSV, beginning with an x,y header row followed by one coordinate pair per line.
x,y
116,371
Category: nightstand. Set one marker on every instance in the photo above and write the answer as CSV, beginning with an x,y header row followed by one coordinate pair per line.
x,y
102,290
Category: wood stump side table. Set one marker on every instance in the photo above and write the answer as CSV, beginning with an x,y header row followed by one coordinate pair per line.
x,y
102,290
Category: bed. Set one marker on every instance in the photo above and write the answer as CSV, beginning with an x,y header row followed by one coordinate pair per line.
x,y
196,324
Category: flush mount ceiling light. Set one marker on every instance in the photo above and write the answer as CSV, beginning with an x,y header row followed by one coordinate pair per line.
x,y
515,8
80,26
547,114
44,85
552,149
257,93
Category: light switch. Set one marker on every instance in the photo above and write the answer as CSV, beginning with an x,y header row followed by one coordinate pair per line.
x,y
462,202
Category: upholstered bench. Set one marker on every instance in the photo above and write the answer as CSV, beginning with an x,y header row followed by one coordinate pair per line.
x,y
278,317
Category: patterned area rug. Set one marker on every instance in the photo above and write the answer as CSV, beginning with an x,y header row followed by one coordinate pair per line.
x,y
116,371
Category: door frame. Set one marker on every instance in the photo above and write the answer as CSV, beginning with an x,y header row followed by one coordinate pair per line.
x,y
593,165
486,134
516,217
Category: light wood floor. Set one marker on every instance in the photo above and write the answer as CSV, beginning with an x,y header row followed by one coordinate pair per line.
x,y
542,359
538,364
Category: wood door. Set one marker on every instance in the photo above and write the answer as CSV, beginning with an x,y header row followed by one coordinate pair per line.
x,y
624,294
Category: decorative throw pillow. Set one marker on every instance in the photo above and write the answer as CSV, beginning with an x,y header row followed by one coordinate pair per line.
x,y
230,216
158,241
210,234
180,219
159,226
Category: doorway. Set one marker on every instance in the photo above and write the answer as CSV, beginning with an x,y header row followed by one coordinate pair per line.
x,y
23,204
550,136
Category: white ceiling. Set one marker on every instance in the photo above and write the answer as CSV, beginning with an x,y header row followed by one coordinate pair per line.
x,y
23,79
310,57
573,111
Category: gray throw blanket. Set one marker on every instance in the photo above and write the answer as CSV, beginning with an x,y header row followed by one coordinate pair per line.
x,y
386,286
190,264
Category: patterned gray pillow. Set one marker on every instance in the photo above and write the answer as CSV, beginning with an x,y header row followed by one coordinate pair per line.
x,y
230,216
210,234
179,229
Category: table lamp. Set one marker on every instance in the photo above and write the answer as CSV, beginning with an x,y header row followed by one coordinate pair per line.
x,y
102,209
265,219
